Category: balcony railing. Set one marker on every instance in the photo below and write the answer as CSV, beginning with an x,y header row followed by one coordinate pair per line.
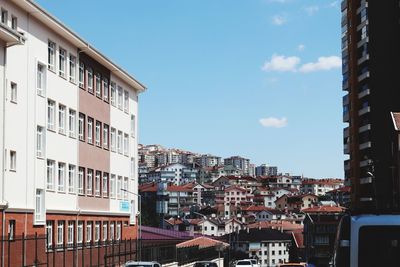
x,y
365,145
363,4
363,41
346,132
363,93
364,128
363,76
364,110
346,117
363,59
365,163
346,149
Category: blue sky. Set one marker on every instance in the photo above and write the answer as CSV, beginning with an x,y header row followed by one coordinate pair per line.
x,y
256,78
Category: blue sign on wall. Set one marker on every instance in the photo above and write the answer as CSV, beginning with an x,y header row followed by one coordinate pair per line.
x,y
124,206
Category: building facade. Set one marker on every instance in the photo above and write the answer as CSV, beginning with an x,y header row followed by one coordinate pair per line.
x,y
369,45
68,133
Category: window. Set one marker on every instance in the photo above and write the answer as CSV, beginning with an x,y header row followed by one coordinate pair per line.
x,y
97,183
61,119
4,16
81,75
105,228
98,85
13,160
132,169
112,186
14,22
61,177
81,127
70,233
40,141
97,232
72,123
126,144
60,233
112,232
119,142
13,89
133,126
71,178
126,101
50,174
113,139
98,133
49,233
125,187
39,208
81,177
40,79
90,130
72,68
119,187
105,136
89,182
90,80
105,184
120,97
88,232
51,57
79,236
118,237
61,57
105,89
113,94
51,115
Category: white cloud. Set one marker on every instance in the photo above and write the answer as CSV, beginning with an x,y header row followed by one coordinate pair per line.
x,y
274,122
279,20
323,63
311,10
334,4
281,63
301,47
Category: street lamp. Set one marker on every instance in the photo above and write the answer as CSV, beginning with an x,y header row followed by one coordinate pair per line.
x,y
140,219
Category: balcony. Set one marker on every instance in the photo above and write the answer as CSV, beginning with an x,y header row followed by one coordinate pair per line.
x,y
346,117
363,93
345,100
346,132
347,165
362,24
364,110
366,199
345,85
343,5
346,149
365,145
365,163
362,42
364,128
363,4
363,76
363,59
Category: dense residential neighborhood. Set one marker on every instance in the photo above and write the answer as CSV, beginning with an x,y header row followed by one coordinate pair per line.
x,y
259,212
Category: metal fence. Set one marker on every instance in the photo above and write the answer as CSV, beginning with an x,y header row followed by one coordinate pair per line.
x,y
34,251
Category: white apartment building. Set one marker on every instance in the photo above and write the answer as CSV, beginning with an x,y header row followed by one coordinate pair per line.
x,y
68,132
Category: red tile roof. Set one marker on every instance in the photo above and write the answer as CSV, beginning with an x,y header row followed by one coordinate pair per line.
x,y
324,209
323,181
234,187
178,188
257,208
149,187
202,242
281,225
341,189
173,221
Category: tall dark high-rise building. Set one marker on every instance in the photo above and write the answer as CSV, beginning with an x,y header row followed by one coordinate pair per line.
x,y
371,80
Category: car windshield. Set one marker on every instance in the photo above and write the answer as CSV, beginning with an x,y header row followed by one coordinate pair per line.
x,y
138,265
244,263
254,261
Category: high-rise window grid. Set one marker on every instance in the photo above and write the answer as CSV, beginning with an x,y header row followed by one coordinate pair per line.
x,y
60,233
79,234
81,75
90,130
105,136
49,233
119,142
105,185
81,179
88,232
39,207
90,80
97,183
119,187
126,144
97,232
113,93
105,231
112,185
105,89
81,127
40,141
13,92
98,84
113,139
119,99
70,233
126,101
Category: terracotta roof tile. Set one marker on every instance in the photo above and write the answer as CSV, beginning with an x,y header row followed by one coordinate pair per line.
x,y
324,209
202,242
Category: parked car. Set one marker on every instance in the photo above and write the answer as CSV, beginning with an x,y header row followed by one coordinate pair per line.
x,y
254,262
142,264
205,264
243,263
